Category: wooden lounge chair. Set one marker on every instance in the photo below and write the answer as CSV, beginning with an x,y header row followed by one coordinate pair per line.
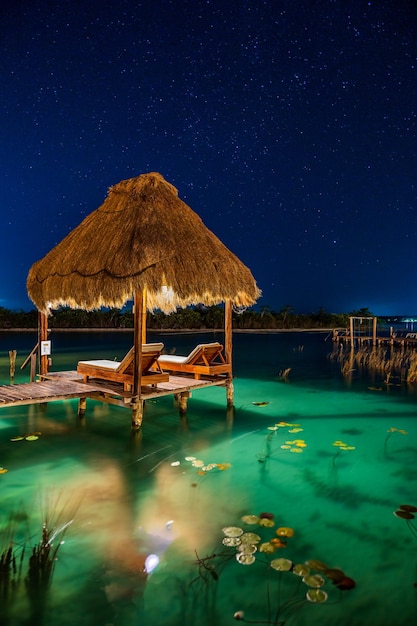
x,y
205,359
122,371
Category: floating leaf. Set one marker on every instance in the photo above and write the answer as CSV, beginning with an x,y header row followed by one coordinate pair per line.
x,y
404,514
408,507
301,570
232,531
190,458
245,559
247,548
231,542
17,438
284,531
250,538
250,519
345,584
3,470
267,523
285,446
198,463
175,463
314,580
334,574
317,565
267,547
296,450
278,543
31,437
260,403
281,565
316,595
267,515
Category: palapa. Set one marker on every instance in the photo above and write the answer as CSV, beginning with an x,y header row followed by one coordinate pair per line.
x,y
142,238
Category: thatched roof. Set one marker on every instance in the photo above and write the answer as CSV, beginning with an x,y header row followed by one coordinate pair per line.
x,y
142,236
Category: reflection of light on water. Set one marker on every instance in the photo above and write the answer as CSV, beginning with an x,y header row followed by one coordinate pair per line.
x,y
151,561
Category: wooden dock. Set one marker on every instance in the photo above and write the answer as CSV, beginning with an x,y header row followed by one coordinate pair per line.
x,y
68,385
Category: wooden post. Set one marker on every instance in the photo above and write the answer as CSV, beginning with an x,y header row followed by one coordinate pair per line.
x,y
82,405
374,331
12,357
182,399
144,311
228,341
351,331
137,413
32,367
137,407
43,336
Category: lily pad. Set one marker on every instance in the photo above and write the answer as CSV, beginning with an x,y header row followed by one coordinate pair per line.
x,y
408,507
266,523
334,574
300,569
250,538
314,580
319,566
281,565
284,531
316,595
404,514
31,437
245,559
232,531
231,542
250,519
267,547
247,548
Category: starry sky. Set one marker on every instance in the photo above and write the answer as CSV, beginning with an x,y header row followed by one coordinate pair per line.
x,y
288,126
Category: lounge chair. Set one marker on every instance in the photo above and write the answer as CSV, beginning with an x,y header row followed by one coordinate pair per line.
x,y
205,359
122,371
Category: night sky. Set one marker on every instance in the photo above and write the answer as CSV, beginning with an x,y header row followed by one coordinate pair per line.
x,y
289,126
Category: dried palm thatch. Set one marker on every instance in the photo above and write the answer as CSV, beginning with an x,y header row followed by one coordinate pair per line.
x,y
142,237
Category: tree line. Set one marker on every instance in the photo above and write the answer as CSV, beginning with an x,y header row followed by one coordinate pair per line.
x,y
195,318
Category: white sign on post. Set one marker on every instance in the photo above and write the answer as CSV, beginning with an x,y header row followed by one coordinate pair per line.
x,y
45,348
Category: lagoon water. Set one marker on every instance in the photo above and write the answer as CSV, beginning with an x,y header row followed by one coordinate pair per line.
x,y
115,498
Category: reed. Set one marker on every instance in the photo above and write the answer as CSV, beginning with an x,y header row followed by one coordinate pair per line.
x,y
392,362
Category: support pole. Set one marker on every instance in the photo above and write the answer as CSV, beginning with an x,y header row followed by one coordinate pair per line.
x,y
137,407
12,357
228,341
144,311
82,405
182,399
351,332
137,413
374,331
43,336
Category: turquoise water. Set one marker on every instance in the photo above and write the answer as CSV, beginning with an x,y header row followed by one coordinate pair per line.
x,y
115,498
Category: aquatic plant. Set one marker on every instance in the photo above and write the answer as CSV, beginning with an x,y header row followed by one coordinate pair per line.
x,y
300,583
341,447
408,513
390,432
295,446
11,559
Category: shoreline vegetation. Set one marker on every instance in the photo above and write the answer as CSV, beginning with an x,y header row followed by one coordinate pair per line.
x,y
191,319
